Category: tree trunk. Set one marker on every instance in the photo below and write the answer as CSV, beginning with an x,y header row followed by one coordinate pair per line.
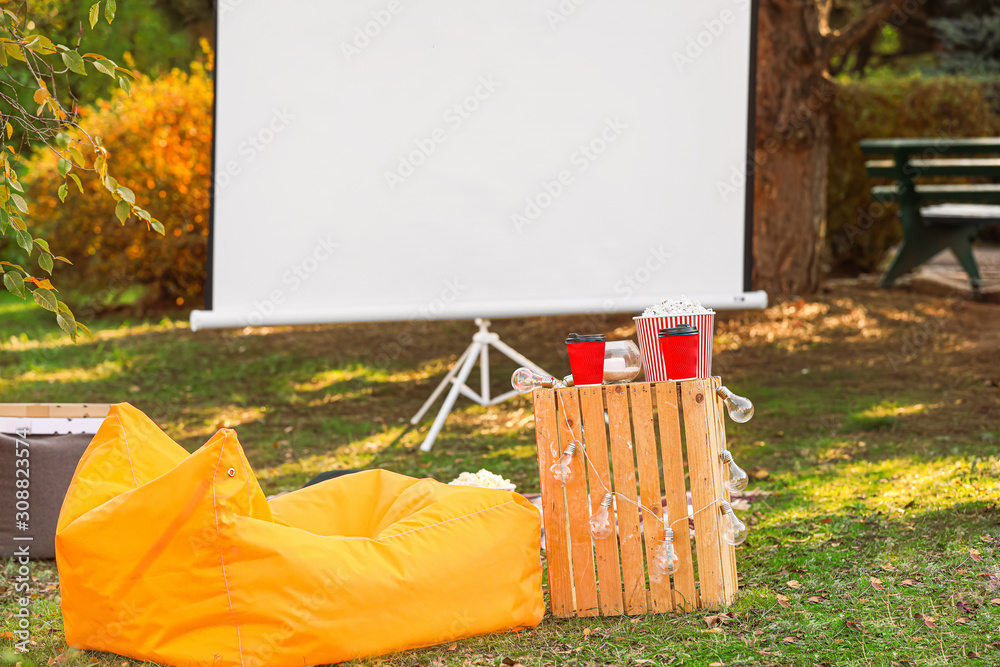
x,y
791,148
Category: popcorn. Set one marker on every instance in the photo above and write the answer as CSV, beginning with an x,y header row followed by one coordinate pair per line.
x,y
681,306
483,479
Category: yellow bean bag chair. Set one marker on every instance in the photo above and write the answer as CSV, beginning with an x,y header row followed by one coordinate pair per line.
x,y
180,559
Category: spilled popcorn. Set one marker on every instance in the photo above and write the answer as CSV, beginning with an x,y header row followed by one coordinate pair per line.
x,y
483,479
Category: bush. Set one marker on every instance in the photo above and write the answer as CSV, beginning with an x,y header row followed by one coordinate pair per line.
x,y
160,145
859,231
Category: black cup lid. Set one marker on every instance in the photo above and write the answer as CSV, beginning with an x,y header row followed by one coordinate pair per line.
x,y
586,338
679,330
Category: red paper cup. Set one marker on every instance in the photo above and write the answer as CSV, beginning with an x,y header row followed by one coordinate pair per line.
x,y
586,359
679,346
653,364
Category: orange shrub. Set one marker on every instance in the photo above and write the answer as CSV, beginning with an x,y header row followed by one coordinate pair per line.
x,y
160,145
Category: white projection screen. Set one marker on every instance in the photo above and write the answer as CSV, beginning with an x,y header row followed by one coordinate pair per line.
x,y
400,159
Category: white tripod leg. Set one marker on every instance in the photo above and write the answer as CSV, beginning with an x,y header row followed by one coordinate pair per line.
x,y
437,391
449,401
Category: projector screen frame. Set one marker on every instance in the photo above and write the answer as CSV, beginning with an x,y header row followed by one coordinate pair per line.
x,y
756,300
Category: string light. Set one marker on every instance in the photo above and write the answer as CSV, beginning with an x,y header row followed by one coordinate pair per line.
x,y
665,559
738,479
734,531
562,470
524,380
740,408
601,527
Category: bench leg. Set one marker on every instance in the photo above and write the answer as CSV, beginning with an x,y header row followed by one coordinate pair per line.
x,y
962,247
912,253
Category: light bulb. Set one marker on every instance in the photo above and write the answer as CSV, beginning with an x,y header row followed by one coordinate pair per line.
x,y
524,380
734,531
740,408
600,523
562,470
738,479
665,560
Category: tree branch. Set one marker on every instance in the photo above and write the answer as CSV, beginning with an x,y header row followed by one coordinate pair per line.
x,y
841,40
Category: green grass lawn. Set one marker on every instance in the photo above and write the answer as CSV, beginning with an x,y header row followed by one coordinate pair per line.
x,y
876,436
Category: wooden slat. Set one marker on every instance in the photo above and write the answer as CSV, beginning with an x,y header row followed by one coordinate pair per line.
x,y
554,506
609,577
704,474
578,508
647,462
717,440
667,403
974,194
68,410
923,168
633,570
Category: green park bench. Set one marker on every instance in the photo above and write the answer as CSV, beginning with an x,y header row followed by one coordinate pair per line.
x,y
936,216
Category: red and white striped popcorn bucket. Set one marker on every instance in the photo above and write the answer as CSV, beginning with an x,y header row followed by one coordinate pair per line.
x,y
647,329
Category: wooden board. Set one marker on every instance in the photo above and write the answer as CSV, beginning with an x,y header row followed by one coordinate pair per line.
x,y
704,471
622,461
647,462
70,410
609,578
578,507
553,505
685,595
720,438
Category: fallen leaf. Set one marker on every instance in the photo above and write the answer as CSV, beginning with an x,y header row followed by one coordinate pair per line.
x,y
909,582
853,625
510,662
930,621
963,620
587,632
995,601
889,567
783,600
715,664
986,537
452,647
876,583
815,599
790,640
711,621
712,631
975,554
972,654
794,584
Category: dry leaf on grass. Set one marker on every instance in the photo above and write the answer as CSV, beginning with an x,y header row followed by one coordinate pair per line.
x,y
909,582
452,647
783,600
889,567
794,584
975,554
963,620
711,631
853,625
815,599
790,640
995,601
587,632
876,583
929,621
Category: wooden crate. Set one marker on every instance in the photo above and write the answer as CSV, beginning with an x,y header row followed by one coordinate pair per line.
x,y
590,577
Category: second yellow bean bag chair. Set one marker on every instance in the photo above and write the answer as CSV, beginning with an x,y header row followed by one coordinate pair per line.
x,y
180,559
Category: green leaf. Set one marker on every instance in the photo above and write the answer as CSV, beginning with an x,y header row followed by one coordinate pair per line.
x,y
111,183
4,220
77,156
43,244
63,259
127,194
14,283
20,203
15,185
23,240
125,84
84,329
45,261
122,210
67,324
106,66
95,13
46,298
157,226
142,213
109,10
76,179
74,61
63,191
64,166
